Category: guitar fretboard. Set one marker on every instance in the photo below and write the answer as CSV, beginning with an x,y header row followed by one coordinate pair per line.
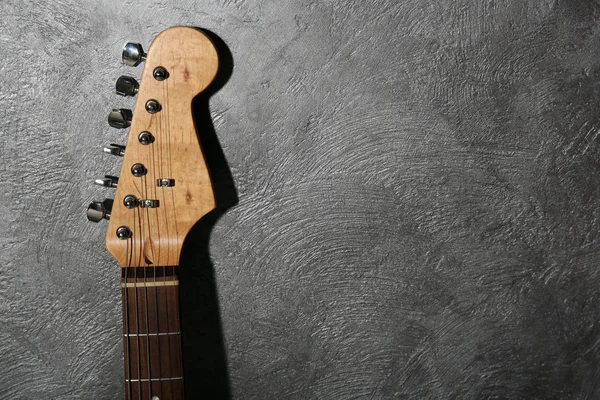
x,y
151,333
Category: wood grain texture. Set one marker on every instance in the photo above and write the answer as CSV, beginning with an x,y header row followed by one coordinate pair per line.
x,y
191,61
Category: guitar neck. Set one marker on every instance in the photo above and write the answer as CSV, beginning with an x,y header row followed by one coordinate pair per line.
x,y
164,187
151,333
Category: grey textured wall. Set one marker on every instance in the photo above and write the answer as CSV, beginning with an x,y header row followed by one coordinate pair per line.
x,y
410,206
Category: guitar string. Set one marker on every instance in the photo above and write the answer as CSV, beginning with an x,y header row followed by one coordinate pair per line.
x,y
150,243
146,265
137,314
126,300
167,131
152,156
144,194
170,160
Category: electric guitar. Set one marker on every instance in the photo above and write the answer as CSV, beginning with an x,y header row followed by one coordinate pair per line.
x,y
163,189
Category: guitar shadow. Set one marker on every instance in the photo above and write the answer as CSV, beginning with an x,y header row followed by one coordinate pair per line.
x,y
204,358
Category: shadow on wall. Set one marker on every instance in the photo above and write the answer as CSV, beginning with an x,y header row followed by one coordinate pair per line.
x,y
205,363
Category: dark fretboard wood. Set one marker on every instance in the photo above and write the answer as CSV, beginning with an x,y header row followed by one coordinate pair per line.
x,y
152,333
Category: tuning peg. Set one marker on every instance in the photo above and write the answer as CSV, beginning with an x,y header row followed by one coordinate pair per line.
x,y
115,150
99,210
127,86
108,181
133,54
120,118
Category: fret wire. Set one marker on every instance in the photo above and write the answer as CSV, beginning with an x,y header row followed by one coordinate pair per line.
x,y
152,334
177,378
150,284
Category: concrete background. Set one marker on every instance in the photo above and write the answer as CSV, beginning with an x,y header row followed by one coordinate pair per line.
x,y
409,206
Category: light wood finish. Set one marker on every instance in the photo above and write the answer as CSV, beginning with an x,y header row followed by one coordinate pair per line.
x,y
158,233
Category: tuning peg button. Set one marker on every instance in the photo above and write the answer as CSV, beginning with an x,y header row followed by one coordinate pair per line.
x,y
133,54
108,181
99,210
115,150
126,86
120,118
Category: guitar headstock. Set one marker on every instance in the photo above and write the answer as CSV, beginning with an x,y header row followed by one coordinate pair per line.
x,y
164,186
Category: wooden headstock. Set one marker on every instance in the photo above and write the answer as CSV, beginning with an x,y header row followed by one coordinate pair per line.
x,y
173,189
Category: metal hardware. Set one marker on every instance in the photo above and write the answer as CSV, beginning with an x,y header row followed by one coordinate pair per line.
x,y
98,210
115,150
133,54
145,138
165,182
152,106
146,203
123,232
130,201
138,170
126,86
160,73
120,118
108,181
